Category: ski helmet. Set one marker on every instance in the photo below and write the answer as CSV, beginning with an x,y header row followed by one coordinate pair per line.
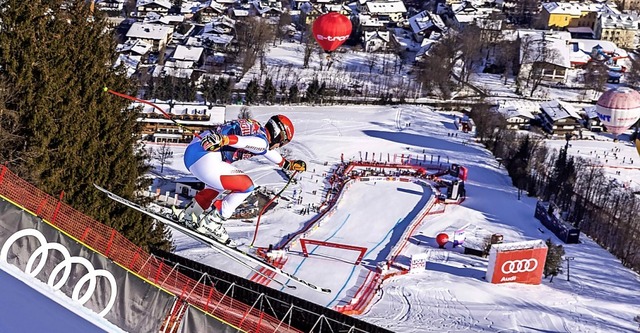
x,y
280,130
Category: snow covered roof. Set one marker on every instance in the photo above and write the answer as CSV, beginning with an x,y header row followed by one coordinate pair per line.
x,y
538,40
193,41
338,8
189,7
607,46
134,46
221,20
425,20
130,62
161,3
190,53
369,35
590,111
619,21
240,12
369,21
524,105
218,38
149,31
385,7
573,9
213,5
559,110
164,19
179,72
511,111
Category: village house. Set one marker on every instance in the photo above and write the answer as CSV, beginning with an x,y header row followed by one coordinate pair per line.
x,y
157,6
546,53
517,115
377,41
621,29
110,5
266,8
559,118
208,11
385,11
591,120
197,116
158,36
424,23
558,15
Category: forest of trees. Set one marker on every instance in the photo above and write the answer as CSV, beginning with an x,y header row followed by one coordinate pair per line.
x,y
58,129
604,209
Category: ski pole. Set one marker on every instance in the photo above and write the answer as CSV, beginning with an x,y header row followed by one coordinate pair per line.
x,y
267,205
166,115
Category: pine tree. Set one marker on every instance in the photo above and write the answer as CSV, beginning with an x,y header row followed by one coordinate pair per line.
x,y
67,133
251,93
269,91
294,93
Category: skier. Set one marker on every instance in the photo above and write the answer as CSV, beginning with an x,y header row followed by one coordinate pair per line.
x,y
210,157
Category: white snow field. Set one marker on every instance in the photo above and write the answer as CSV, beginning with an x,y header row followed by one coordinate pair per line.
x,y
451,294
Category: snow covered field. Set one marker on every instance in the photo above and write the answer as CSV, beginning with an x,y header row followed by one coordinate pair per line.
x,y
451,294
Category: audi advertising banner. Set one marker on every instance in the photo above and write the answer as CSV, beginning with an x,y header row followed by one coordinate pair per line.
x,y
521,262
85,276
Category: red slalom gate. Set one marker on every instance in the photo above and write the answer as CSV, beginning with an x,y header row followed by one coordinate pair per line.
x,y
304,242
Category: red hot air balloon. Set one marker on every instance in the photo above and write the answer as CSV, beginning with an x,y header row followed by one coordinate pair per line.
x,y
331,30
442,239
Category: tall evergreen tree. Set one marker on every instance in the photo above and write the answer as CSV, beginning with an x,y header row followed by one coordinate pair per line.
x,y
251,93
65,132
294,92
269,91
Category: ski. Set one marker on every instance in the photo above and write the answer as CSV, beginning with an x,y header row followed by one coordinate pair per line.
x,y
227,251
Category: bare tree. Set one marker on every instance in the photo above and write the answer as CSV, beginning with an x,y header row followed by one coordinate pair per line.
x,y
308,45
253,35
507,57
282,28
436,69
632,75
538,57
164,155
470,50
595,77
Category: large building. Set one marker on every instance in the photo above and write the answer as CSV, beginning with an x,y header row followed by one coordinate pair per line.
x,y
618,28
559,118
557,15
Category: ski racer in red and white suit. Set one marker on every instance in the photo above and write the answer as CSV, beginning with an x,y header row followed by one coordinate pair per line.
x,y
210,157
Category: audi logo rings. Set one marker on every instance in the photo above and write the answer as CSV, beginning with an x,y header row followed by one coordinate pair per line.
x,y
519,266
65,265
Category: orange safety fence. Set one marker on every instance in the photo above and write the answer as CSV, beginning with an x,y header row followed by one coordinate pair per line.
x,y
113,245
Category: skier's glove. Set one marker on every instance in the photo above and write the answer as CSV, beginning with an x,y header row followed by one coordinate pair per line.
x,y
298,165
214,141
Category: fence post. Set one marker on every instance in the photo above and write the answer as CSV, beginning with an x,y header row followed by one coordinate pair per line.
x,y
55,213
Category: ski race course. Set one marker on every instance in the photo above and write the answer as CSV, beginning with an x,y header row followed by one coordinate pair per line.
x,y
351,225
452,293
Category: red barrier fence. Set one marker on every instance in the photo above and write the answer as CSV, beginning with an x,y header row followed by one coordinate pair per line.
x,y
116,247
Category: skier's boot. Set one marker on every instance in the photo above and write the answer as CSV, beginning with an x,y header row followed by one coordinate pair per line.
x,y
211,225
185,216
